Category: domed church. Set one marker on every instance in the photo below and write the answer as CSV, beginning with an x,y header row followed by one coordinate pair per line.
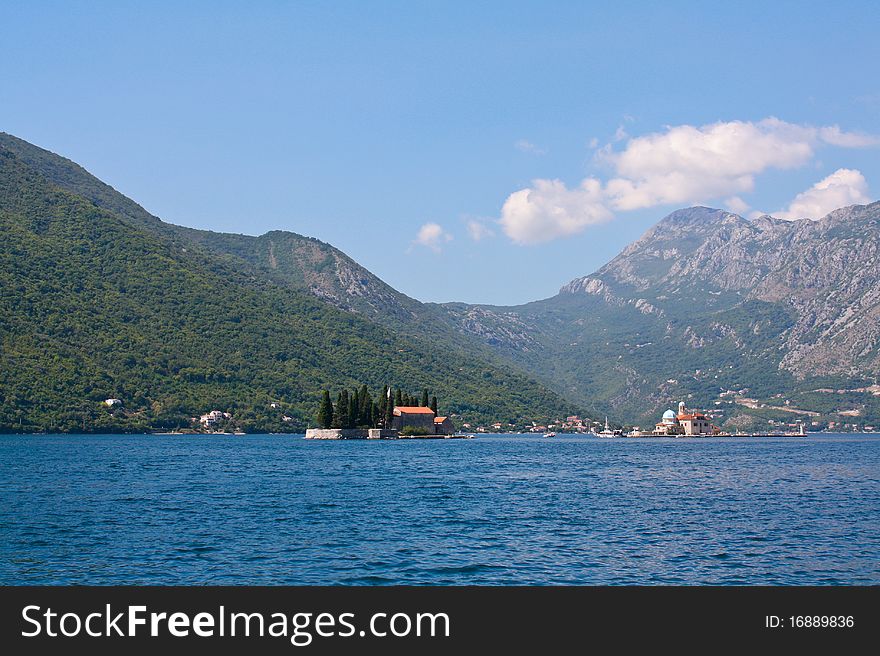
x,y
685,423
669,425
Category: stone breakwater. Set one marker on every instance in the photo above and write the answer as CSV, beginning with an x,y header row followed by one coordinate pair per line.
x,y
370,434
350,434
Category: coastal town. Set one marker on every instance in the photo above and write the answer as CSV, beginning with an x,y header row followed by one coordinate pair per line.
x,y
420,422
396,414
415,421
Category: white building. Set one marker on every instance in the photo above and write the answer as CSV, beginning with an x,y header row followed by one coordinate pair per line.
x,y
214,417
686,422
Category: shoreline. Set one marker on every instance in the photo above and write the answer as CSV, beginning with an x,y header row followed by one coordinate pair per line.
x,y
457,436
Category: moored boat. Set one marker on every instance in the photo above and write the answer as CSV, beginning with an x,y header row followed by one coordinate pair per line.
x,y
607,432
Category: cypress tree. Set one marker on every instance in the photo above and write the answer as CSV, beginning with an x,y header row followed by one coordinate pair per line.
x,y
375,416
398,397
338,411
425,402
353,410
434,405
325,411
364,403
344,410
366,410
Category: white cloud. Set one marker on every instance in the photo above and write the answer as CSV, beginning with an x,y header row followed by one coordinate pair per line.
x,y
737,205
433,236
549,210
528,147
479,230
836,137
687,163
679,165
841,188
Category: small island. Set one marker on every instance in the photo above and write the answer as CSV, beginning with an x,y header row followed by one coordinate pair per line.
x,y
357,416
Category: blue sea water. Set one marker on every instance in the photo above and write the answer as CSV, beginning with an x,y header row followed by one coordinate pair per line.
x,y
272,509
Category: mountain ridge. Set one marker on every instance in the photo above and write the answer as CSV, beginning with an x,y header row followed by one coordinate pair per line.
x,y
96,305
784,302
704,304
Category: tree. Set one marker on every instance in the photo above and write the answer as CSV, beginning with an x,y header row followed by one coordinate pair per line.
x,y
344,407
398,397
369,411
365,409
376,416
325,411
338,412
434,405
425,400
353,410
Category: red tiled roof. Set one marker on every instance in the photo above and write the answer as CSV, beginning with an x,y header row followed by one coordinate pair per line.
x,y
439,420
412,410
696,415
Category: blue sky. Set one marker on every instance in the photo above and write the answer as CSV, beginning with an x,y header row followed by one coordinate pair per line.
x,y
398,132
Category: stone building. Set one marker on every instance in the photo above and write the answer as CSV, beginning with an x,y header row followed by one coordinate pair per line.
x,y
417,417
443,426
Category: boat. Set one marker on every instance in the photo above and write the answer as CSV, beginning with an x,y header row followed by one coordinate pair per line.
x,y
607,432
550,434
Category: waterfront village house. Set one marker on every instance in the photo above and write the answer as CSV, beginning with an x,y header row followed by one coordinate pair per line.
x,y
443,426
414,416
685,423
214,417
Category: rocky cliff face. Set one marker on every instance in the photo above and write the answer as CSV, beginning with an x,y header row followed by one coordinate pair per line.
x,y
825,273
707,302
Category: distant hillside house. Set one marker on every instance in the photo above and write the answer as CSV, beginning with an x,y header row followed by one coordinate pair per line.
x,y
413,416
443,426
113,402
214,417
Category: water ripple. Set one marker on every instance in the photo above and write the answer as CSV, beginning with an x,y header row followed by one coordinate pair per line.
x,y
497,510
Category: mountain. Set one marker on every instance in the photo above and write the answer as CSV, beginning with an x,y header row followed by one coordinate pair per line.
x,y
756,320
100,299
302,263
823,274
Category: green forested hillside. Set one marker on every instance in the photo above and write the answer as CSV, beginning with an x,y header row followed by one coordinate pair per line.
x,y
95,305
304,264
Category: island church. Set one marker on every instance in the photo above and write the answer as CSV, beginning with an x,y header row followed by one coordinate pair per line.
x,y
685,423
